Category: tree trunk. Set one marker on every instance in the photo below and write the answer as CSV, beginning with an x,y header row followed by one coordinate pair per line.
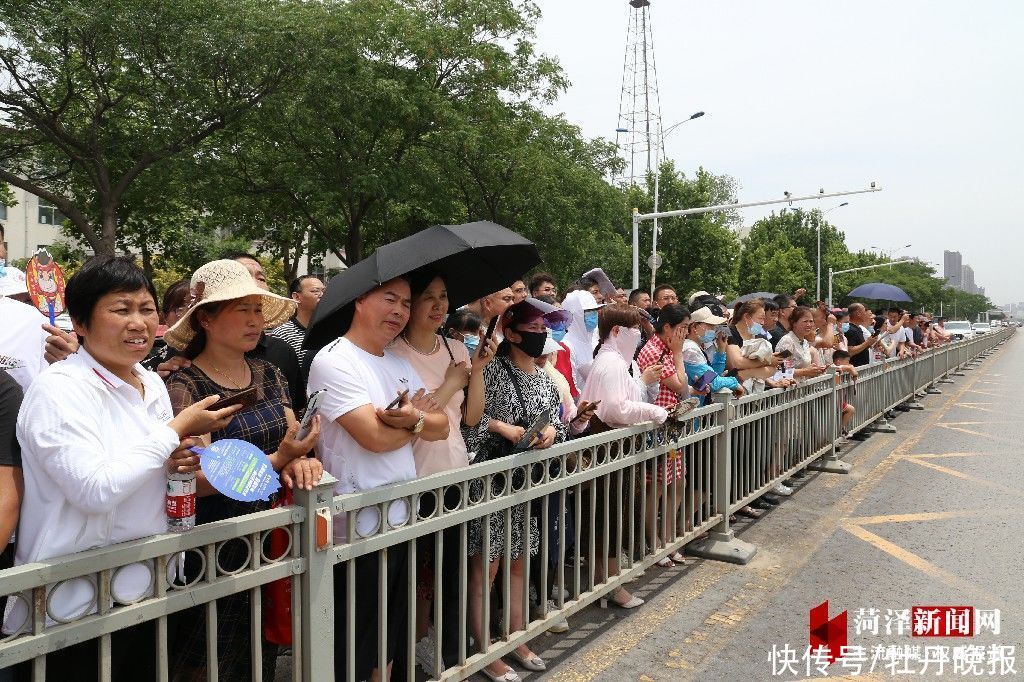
x,y
147,255
107,245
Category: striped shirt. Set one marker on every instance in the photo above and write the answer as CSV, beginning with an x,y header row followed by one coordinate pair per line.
x,y
294,334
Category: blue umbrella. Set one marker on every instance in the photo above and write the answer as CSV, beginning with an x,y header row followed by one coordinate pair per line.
x,y
880,291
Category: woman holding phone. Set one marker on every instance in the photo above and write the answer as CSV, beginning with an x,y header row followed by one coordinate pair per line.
x,y
229,314
457,388
98,440
665,349
516,393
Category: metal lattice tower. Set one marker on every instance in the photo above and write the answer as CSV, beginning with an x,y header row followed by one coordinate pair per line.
x,y
639,126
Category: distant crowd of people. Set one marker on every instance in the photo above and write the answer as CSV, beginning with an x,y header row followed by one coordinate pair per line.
x,y
93,421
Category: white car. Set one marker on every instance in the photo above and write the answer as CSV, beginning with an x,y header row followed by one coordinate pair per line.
x,y
981,328
959,329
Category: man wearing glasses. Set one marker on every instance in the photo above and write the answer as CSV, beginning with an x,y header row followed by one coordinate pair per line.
x,y
786,305
307,292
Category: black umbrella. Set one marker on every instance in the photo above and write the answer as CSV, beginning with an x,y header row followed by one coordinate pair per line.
x,y
750,297
474,259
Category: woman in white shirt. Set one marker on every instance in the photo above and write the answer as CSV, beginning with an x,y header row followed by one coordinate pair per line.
x,y
98,439
623,398
803,358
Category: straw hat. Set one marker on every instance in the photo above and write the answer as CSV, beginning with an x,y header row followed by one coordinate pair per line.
x,y
226,280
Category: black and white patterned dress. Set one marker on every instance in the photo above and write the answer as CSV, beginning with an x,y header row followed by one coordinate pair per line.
x,y
501,402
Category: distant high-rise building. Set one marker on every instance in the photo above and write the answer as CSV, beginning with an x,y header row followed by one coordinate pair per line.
x,y
952,268
967,280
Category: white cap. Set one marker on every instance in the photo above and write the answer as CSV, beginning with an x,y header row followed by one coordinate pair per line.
x,y
696,294
13,282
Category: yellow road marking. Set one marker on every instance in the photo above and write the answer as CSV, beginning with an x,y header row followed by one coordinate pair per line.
x,y
993,421
923,565
966,477
942,455
926,516
979,434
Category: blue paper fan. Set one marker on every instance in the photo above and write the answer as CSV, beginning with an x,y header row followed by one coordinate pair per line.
x,y
239,470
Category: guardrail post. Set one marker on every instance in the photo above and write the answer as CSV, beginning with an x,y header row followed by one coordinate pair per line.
x,y
932,388
912,403
317,543
830,463
946,353
721,543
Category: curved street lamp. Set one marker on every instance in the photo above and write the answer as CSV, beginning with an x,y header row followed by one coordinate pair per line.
x,y
662,134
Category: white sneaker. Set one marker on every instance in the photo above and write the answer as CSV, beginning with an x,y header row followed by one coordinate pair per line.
x,y
565,593
560,625
425,652
783,490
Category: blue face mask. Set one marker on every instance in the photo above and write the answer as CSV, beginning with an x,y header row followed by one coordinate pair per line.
x,y
708,337
590,320
558,334
756,329
846,327
471,341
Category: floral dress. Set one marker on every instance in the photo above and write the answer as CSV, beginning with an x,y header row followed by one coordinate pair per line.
x,y
501,402
263,424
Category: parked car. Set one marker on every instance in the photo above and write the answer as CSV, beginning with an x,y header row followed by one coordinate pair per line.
x,y
960,329
981,328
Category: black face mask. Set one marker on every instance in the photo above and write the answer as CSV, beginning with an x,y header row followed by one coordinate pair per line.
x,y
532,343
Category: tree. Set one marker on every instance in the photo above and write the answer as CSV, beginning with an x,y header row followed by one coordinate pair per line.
x,y
699,251
799,229
346,153
95,95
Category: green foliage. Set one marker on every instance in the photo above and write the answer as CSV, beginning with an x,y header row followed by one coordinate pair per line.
x,y
699,251
100,93
780,251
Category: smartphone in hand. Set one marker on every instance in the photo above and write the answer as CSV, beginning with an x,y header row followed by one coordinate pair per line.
x,y
246,398
490,330
312,407
397,401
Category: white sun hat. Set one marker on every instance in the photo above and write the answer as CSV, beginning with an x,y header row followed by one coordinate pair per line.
x,y
227,280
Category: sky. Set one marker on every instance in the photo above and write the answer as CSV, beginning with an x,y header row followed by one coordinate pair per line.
x,y
923,98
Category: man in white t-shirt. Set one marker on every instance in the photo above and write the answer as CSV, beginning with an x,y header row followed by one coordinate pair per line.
x,y
365,446
22,339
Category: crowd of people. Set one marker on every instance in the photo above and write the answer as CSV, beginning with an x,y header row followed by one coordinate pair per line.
x,y
93,421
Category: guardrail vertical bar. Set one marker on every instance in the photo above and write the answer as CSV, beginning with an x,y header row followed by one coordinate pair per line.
x,y
830,462
721,543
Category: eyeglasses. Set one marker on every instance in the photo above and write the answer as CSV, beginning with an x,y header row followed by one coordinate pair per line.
x,y
318,291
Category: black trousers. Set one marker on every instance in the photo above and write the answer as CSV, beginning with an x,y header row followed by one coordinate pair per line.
x,y
367,613
132,658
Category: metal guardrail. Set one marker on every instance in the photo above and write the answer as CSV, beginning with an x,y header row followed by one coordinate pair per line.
x,y
604,517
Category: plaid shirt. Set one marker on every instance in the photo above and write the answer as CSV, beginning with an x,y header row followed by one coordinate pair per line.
x,y
651,354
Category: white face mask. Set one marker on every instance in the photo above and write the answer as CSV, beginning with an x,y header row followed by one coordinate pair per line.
x,y
626,342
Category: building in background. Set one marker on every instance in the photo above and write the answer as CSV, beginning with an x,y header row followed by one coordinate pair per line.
x,y
959,275
952,268
29,224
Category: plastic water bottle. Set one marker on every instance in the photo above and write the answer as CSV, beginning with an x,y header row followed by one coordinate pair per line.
x,y
181,502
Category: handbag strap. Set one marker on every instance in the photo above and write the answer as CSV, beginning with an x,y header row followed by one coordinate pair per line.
x,y
515,385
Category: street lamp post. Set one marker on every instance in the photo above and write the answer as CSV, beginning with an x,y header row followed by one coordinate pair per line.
x,y
890,252
817,274
662,134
